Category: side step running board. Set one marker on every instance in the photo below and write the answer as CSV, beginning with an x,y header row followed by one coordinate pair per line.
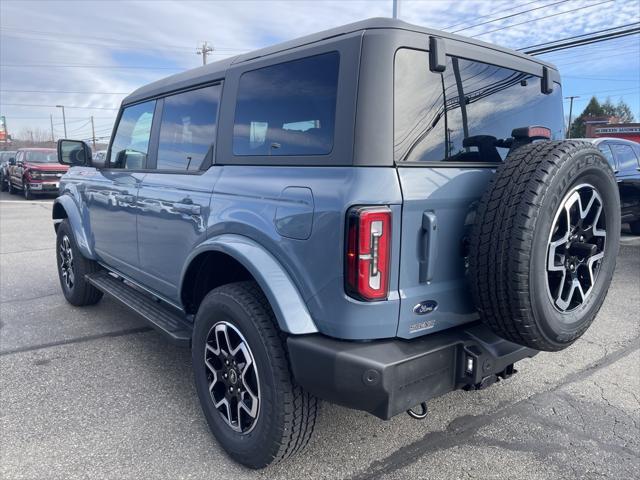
x,y
161,318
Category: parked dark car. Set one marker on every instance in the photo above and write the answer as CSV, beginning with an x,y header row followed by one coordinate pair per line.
x,y
624,158
35,171
374,215
5,157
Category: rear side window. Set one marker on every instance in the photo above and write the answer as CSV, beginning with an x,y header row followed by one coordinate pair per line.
x,y
625,156
188,129
458,114
131,144
287,109
606,151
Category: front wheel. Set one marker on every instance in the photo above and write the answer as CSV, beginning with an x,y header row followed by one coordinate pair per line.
x,y
72,268
247,393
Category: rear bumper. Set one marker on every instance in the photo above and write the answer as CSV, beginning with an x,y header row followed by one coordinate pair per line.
x,y
386,377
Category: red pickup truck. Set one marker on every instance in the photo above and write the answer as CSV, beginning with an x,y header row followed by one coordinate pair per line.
x,y
35,171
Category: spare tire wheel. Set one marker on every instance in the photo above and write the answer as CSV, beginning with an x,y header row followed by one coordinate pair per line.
x,y
544,243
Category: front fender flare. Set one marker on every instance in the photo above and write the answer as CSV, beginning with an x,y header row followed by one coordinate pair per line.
x,y
287,304
76,223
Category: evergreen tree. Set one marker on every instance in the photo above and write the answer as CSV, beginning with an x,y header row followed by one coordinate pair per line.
x,y
593,109
624,113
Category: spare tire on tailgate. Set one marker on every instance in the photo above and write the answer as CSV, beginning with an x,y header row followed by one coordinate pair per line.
x,y
544,243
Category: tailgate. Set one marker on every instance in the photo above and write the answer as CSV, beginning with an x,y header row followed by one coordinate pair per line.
x,y
436,219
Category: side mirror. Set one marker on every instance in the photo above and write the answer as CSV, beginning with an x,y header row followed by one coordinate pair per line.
x,y
74,153
12,161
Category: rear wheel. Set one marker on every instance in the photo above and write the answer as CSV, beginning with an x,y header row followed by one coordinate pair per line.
x,y
545,242
72,268
247,392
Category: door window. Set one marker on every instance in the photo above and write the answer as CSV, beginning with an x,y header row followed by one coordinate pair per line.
x,y
131,144
188,129
288,109
606,151
457,115
625,156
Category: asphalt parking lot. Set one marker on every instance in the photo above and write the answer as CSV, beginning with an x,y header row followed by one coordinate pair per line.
x,y
93,393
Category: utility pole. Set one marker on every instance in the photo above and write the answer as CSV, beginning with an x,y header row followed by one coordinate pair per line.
x,y
51,118
204,50
396,8
64,120
93,134
570,113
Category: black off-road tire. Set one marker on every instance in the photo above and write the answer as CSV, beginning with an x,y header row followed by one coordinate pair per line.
x,y
81,292
287,414
635,227
511,238
26,191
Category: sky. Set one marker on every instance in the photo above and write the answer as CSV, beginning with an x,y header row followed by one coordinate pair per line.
x,y
88,54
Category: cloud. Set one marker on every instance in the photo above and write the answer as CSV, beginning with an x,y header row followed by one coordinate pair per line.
x,y
164,35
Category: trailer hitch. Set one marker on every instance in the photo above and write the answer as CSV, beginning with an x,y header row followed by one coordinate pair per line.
x,y
419,416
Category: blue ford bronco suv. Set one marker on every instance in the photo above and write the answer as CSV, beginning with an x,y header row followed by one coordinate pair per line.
x,y
374,215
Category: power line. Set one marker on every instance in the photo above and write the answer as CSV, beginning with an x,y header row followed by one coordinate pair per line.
x,y
542,18
61,65
62,91
604,57
114,41
52,106
577,36
580,77
512,15
584,41
634,89
489,15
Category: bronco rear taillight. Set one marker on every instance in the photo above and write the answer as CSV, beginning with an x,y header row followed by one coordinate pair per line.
x,y
367,253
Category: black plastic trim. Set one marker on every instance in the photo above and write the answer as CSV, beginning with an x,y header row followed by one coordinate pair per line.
x,y
387,377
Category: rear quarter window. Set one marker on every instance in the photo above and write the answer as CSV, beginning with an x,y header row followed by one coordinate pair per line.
x,y
288,108
444,116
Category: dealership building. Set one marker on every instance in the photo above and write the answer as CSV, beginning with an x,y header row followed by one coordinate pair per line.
x,y
609,127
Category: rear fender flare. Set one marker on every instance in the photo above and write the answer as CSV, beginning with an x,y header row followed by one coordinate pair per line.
x,y
288,306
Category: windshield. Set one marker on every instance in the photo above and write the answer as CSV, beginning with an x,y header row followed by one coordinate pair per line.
x,y
42,157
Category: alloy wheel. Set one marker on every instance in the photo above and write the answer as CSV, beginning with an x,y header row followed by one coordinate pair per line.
x,y
232,377
66,262
576,248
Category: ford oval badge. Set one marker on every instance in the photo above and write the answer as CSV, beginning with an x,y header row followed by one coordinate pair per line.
x,y
425,307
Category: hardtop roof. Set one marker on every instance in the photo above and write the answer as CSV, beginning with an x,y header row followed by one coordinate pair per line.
x,y
217,70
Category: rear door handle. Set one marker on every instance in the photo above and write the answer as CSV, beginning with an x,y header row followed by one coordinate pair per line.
x,y
187,208
428,247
